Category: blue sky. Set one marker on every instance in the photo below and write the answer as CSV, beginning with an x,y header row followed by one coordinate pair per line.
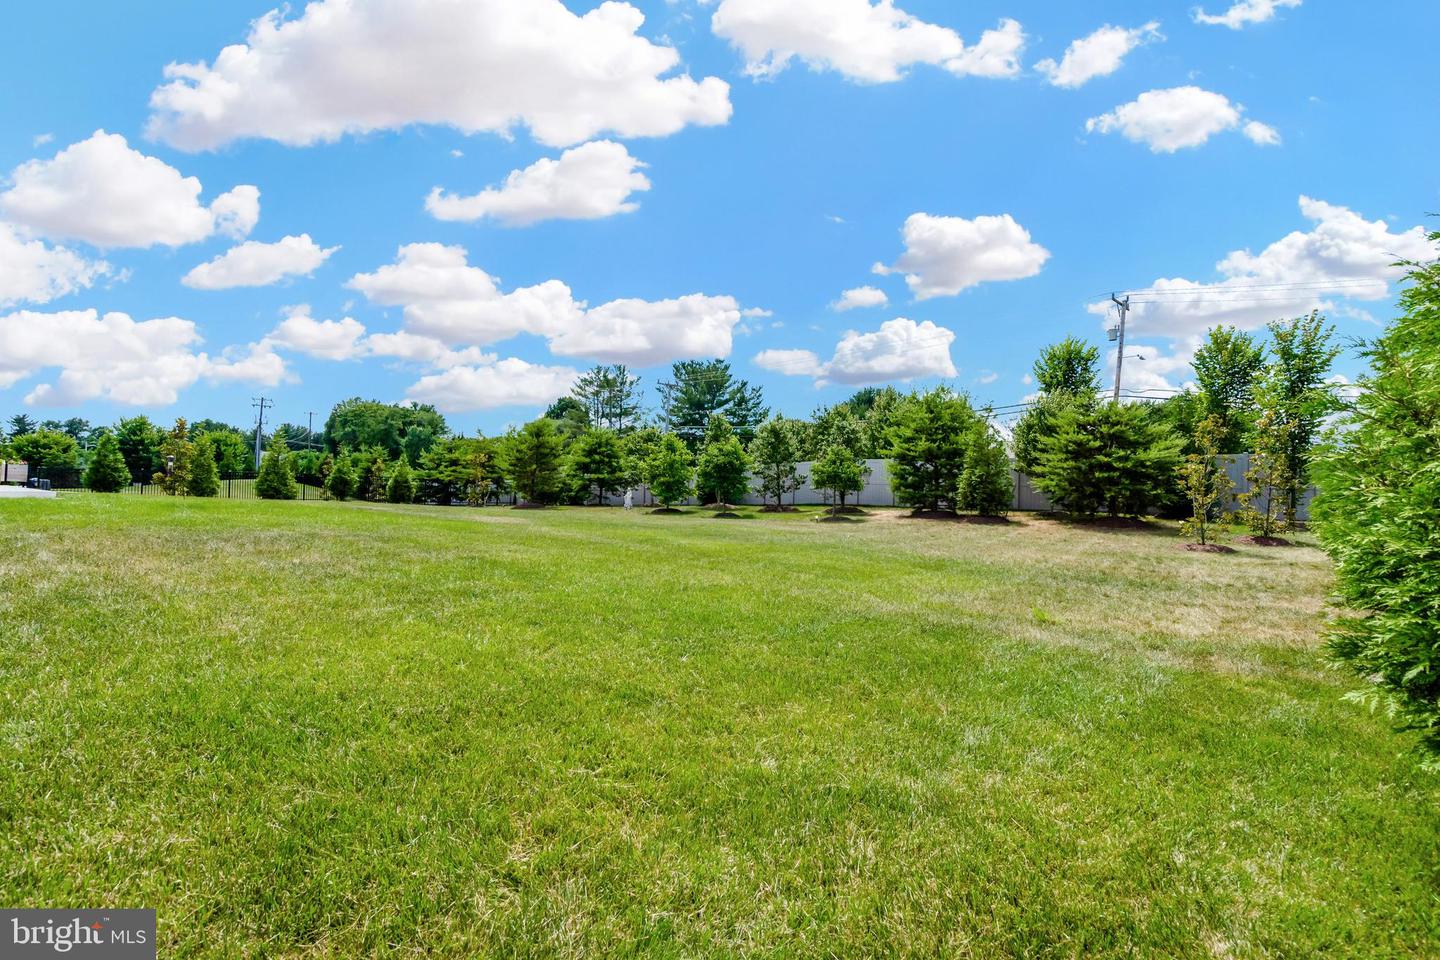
x,y
785,151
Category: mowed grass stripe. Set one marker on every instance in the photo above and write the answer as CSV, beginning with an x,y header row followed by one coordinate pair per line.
x,y
340,730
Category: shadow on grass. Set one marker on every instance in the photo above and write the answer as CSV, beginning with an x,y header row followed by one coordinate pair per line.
x,y
1116,525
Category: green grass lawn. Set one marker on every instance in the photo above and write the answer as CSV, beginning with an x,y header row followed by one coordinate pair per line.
x,y
342,730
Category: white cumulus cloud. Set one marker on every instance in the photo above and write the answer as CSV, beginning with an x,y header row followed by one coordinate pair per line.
x,y
945,255
1261,133
446,299
1097,55
1342,257
116,358
592,181
501,383
865,41
1244,12
352,66
643,332
900,350
31,271
105,193
1175,119
327,339
860,298
255,264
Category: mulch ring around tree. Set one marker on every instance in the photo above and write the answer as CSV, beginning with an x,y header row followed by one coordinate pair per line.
x,y
728,515
666,512
772,508
530,506
1206,548
1264,541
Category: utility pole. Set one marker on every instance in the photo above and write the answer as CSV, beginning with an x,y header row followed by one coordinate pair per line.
x,y
310,429
1124,306
261,404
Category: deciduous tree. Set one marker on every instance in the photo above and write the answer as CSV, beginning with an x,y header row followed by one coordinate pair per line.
x,y
1265,500
1204,480
670,471
1227,365
838,471
775,455
724,470
1296,389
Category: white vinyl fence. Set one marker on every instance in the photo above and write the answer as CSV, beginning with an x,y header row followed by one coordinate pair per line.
x,y
1236,464
877,492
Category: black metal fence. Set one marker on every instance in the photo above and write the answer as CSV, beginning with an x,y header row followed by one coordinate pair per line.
x,y
229,490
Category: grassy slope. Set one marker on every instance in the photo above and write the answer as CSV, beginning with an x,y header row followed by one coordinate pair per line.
x,y
321,730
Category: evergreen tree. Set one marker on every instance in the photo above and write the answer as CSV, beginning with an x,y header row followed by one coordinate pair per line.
x,y
985,485
598,462
456,468
610,396
670,473
400,488
275,482
534,461
341,482
775,455
839,471
202,478
20,425
1109,457
377,480
699,388
139,441
927,448
107,472
1376,515
724,470
1068,374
